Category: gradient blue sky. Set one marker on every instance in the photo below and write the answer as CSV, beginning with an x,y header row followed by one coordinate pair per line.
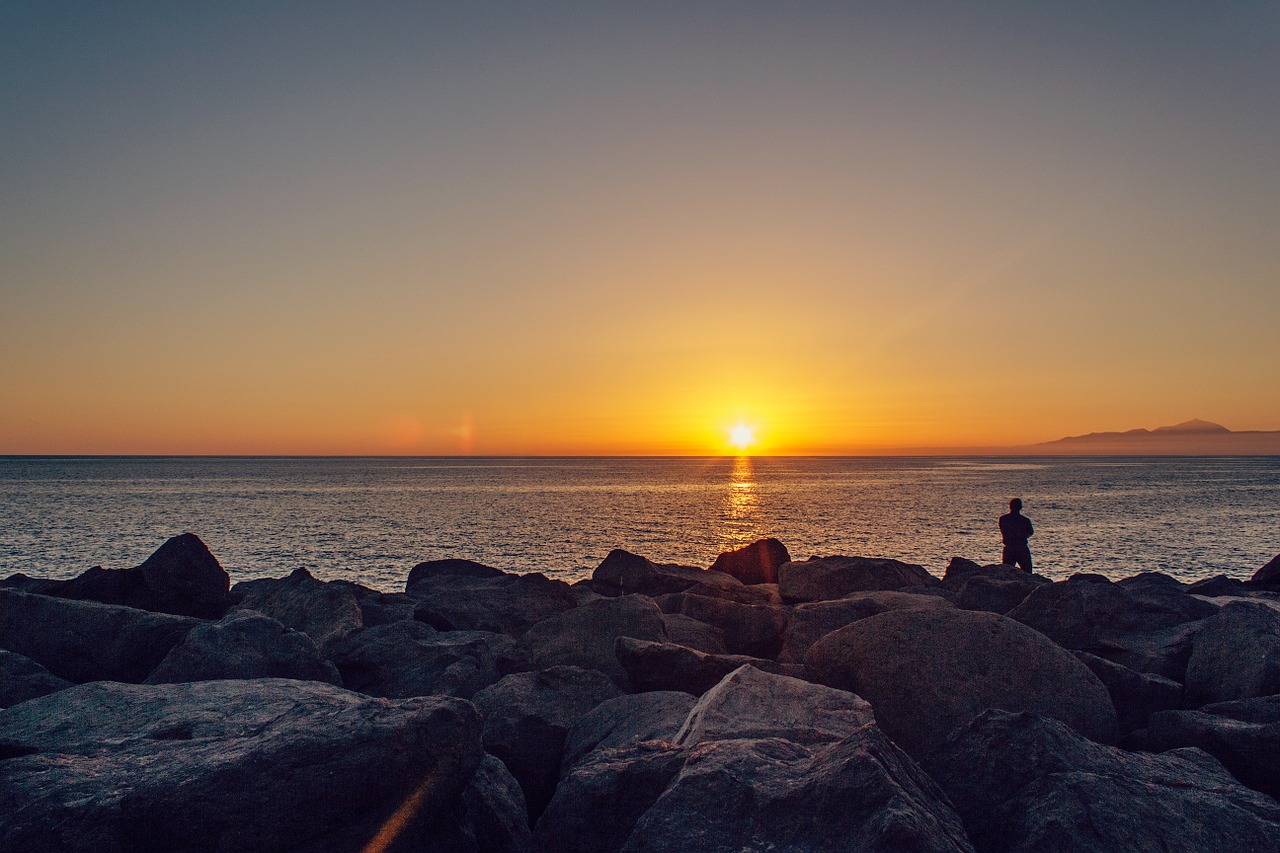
x,y
607,228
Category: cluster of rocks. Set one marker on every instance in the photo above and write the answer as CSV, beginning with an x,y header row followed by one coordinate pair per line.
x,y
837,703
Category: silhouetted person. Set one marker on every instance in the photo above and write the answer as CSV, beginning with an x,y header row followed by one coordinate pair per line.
x,y
1015,530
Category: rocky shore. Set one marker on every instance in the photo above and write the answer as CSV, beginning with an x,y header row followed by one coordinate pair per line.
x,y
762,704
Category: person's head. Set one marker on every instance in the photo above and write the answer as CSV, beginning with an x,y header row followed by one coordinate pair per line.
x,y
1015,505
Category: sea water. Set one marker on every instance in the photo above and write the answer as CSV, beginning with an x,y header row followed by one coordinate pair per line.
x,y
372,519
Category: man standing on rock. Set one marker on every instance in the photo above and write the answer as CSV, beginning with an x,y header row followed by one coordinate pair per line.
x,y
1015,530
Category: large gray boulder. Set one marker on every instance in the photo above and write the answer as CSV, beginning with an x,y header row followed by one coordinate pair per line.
x,y
493,817
527,716
626,721
755,563
749,629
458,595
623,573
996,588
86,641
1028,784
1267,577
825,578
181,578
772,763
1145,623
749,703
21,679
263,765
667,666
1235,655
586,636
808,623
694,633
1243,735
244,644
405,659
927,672
325,612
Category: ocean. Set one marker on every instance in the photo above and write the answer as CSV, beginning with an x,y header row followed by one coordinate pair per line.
x,y
372,519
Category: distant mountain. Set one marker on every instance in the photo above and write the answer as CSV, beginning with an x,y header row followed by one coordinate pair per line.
x,y
1191,438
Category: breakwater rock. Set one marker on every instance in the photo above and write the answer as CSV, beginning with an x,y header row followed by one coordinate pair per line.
x,y
833,703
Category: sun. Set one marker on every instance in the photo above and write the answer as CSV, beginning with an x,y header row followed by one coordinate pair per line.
x,y
742,437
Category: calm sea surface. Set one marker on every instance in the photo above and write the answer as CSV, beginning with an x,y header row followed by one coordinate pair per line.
x,y
371,519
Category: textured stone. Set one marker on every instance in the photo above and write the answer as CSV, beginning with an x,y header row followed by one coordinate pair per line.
x,y
21,679
667,666
1235,655
586,635
754,563
244,644
825,578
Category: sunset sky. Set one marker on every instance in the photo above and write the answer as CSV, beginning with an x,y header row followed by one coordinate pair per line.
x,y
588,228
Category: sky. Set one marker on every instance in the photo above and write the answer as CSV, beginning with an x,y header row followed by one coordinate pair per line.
x,y
605,228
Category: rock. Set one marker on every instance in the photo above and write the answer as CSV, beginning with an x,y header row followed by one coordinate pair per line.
x,y
21,679
825,578
1146,625
1268,577
181,578
829,781
325,612
458,596
626,721
86,641
751,704
1218,585
526,718
808,623
597,804
377,607
667,666
1243,735
261,765
860,793
1152,583
749,629
687,631
623,573
1235,655
754,563
405,659
927,672
586,635
1135,695
496,819
244,645
1026,783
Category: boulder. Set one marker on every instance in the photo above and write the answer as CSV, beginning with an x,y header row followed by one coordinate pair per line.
x,y
86,641
377,607
626,721
494,818
527,716
21,679
1135,695
927,672
694,633
1243,735
405,659
623,573
1146,623
825,578
667,666
749,629
325,612
754,563
262,765
751,704
1268,577
1025,783
244,644
181,578
808,623
586,635
464,596
1218,585
1235,655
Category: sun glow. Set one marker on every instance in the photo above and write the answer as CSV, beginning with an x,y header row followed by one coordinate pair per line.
x,y
742,437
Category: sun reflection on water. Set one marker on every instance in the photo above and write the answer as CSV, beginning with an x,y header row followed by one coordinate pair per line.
x,y
740,513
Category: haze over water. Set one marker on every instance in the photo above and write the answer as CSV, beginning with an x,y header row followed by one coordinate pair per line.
x,y
371,519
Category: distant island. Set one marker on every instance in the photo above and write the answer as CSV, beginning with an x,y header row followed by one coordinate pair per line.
x,y
1191,438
